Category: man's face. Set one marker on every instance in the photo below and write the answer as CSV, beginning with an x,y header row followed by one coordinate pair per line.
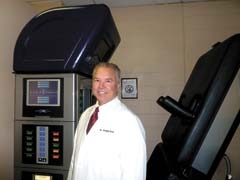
x,y
105,85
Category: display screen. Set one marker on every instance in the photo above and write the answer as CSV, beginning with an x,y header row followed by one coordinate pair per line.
x,y
41,177
43,92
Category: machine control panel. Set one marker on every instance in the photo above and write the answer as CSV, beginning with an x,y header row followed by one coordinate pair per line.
x,y
42,144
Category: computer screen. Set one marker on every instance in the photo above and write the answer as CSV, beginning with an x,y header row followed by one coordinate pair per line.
x,y
43,92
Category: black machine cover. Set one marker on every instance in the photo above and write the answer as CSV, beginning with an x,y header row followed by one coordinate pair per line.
x,y
193,115
66,39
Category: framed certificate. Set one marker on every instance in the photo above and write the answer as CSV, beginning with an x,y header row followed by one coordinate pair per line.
x,y
129,88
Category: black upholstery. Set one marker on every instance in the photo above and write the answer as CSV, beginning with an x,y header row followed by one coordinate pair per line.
x,y
194,113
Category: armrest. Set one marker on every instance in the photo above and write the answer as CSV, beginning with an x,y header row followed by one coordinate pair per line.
x,y
174,107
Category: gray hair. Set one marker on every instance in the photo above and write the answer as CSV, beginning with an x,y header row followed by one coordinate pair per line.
x,y
108,65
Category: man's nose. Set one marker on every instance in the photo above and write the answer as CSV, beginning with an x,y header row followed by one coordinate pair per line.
x,y
101,84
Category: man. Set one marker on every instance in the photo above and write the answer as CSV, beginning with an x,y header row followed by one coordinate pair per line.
x,y
114,148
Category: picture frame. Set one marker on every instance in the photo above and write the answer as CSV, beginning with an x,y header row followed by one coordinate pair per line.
x,y
129,88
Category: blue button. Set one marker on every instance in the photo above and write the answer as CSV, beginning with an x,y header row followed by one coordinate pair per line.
x,y
42,144
42,133
42,138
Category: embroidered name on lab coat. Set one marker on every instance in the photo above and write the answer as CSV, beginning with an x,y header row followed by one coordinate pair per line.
x,y
107,130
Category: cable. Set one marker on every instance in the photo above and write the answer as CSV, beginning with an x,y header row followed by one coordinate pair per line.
x,y
229,168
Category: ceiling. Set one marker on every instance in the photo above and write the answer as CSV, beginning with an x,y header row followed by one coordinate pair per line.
x,y
110,3
123,3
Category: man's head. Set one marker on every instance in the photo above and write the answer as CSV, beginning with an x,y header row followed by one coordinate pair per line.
x,y
105,82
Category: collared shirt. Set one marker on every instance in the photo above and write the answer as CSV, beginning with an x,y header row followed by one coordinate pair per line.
x,y
114,149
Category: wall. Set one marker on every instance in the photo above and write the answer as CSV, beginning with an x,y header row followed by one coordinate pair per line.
x,y
13,15
160,45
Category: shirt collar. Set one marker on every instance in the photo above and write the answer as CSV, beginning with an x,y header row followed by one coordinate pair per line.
x,y
108,105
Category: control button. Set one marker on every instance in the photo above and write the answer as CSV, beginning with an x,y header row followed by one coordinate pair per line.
x,y
42,154
55,156
55,145
42,133
55,133
42,144
29,143
56,139
42,138
29,155
42,149
29,132
29,149
41,128
42,159
55,150
29,138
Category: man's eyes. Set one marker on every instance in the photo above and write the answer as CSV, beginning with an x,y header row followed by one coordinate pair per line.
x,y
106,80
109,80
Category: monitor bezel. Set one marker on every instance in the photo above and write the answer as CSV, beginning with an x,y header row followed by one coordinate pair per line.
x,y
28,91
32,110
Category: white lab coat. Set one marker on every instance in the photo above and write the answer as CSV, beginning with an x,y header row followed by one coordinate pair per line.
x,y
114,149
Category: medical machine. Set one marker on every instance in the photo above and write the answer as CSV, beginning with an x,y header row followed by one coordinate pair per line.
x,y
204,118
53,61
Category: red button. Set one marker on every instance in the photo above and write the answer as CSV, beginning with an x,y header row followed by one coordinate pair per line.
x,y
55,156
55,133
